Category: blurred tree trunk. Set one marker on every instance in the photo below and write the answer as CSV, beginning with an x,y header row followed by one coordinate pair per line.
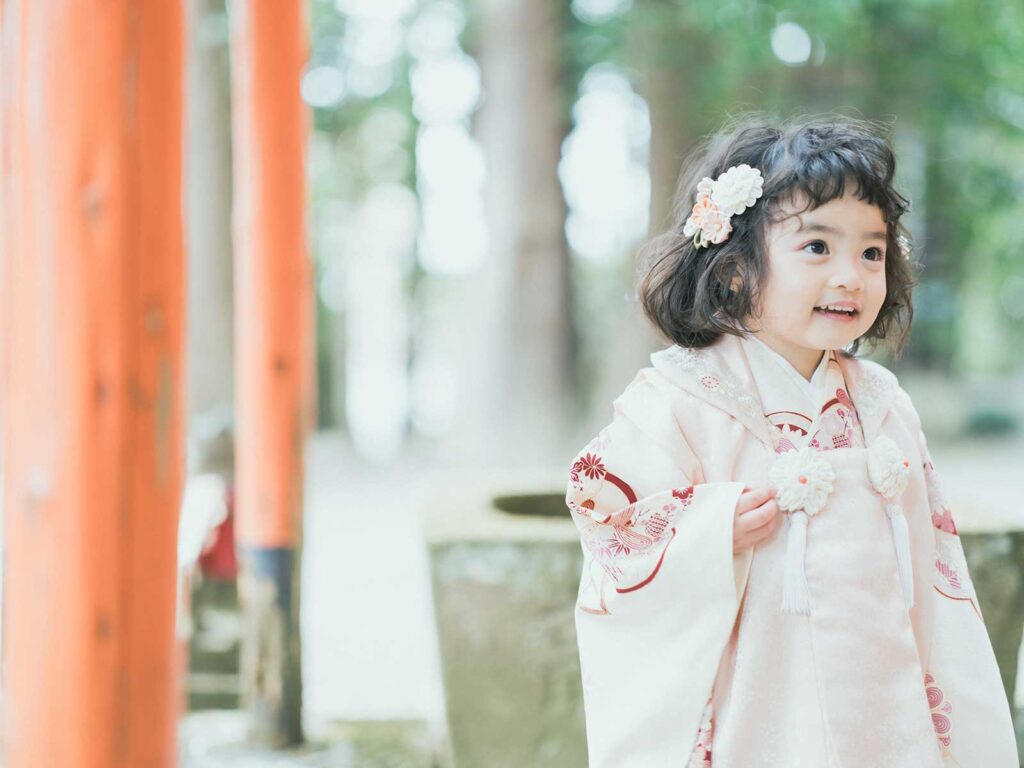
x,y
935,347
92,381
208,210
982,331
669,55
521,322
662,51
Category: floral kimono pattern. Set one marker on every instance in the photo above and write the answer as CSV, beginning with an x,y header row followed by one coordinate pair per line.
x,y
662,594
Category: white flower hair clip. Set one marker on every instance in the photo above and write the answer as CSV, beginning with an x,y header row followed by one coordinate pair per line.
x,y
718,201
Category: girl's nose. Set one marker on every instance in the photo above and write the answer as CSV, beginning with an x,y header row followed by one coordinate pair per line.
x,y
847,276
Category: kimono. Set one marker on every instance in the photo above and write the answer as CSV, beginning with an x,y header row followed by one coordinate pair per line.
x,y
687,655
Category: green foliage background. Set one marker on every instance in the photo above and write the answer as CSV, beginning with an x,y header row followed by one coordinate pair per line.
x,y
947,76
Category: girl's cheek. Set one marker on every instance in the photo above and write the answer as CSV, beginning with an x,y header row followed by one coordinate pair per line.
x,y
869,318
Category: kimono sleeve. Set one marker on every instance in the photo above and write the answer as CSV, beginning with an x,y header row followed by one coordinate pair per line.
x,y
658,593
970,710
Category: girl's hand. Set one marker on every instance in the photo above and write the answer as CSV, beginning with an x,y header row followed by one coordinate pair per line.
x,y
757,518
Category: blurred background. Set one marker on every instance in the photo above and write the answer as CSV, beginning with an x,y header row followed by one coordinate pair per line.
x,y
477,178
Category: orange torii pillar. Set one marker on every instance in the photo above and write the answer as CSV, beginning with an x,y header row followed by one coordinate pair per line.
x,y
92,297
273,330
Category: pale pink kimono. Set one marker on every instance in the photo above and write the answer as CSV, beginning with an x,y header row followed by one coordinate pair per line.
x,y
687,658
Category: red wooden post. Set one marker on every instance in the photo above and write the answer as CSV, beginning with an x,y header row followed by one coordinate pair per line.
x,y
92,297
272,338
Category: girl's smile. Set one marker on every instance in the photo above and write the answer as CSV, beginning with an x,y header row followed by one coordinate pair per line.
x,y
839,312
826,280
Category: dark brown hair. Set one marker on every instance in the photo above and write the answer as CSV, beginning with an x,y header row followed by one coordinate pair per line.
x,y
687,291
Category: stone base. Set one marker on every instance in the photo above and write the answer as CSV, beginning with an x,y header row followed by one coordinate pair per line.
x,y
996,563
509,655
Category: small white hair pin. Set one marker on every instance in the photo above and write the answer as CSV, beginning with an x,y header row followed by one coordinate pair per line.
x,y
718,201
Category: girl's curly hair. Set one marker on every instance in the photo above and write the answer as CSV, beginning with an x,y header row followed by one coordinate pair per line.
x,y
688,292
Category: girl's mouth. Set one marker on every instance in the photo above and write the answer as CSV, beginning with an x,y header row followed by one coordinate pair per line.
x,y
839,316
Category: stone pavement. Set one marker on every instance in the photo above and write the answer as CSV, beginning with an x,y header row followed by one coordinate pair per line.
x,y
369,645
216,740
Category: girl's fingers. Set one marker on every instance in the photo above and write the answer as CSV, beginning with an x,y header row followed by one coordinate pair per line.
x,y
763,534
759,517
753,499
755,536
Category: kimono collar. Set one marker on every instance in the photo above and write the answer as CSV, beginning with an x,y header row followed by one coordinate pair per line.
x,y
873,390
756,351
721,376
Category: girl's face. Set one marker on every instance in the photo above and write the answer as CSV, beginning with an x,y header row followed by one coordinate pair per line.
x,y
834,255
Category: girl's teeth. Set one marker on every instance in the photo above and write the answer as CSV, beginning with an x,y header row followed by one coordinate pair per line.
x,y
836,313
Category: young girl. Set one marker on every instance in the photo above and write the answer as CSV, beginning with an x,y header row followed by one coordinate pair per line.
x,y
772,576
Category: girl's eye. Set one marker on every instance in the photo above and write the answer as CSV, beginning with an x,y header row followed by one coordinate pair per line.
x,y
818,247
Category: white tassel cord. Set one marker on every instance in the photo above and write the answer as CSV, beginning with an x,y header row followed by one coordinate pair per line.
x,y
901,540
796,596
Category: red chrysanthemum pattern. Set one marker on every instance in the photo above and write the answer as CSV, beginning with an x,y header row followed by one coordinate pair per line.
x,y
591,466
683,494
626,543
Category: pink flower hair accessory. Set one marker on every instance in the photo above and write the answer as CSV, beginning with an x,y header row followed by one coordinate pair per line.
x,y
718,201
